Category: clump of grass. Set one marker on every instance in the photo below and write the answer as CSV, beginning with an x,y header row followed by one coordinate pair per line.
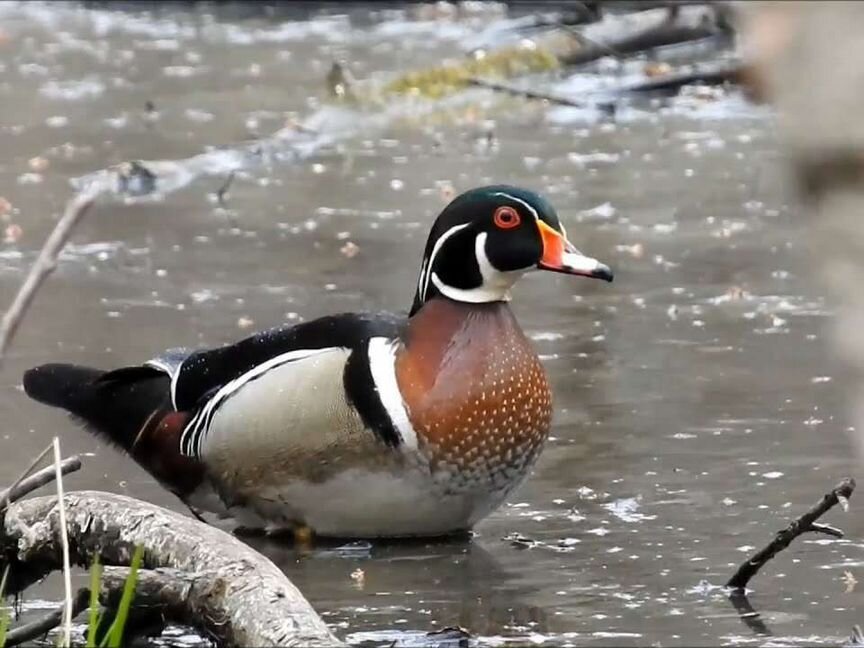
x,y
5,617
94,617
113,637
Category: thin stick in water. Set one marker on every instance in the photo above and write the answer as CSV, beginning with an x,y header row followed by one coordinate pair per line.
x,y
37,480
805,523
64,538
45,263
6,497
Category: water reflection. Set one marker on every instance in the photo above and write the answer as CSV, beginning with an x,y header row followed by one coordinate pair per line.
x,y
454,583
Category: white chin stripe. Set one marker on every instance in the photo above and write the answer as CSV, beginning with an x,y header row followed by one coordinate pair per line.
x,y
382,366
579,263
496,284
480,295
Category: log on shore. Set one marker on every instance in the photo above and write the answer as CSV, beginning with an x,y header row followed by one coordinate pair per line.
x,y
236,595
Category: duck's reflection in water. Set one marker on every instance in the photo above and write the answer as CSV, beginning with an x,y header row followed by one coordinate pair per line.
x,y
424,586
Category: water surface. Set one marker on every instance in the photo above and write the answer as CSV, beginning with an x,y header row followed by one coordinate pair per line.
x,y
696,406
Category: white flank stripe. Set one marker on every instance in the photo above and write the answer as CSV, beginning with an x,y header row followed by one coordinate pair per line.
x,y
197,427
382,366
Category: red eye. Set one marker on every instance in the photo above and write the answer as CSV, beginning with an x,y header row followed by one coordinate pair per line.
x,y
507,217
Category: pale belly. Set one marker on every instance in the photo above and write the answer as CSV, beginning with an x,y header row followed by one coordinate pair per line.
x,y
363,503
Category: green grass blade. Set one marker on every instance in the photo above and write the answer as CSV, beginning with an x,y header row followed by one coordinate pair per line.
x,y
95,613
4,625
114,637
5,616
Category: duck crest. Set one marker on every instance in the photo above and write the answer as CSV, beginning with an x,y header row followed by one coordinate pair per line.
x,y
477,395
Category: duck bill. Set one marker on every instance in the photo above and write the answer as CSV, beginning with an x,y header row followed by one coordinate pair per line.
x,y
559,255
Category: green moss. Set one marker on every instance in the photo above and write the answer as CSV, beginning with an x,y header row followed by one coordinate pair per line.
x,y
437,82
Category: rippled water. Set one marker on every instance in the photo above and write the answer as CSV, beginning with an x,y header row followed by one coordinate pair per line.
x,y
696,407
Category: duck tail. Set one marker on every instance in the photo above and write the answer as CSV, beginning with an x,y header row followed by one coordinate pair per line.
x,y
130,407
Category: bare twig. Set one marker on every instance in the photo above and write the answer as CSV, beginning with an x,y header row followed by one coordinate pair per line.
x,y
26,486
222,191
6,497
605,107
45,263
64,539
805,523
30,631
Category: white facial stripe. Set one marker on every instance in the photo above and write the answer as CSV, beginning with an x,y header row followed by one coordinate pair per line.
x,y
431,260
520,201
382,359
579,262
530,208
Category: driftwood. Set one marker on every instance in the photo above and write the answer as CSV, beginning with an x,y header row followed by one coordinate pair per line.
x,y
231,592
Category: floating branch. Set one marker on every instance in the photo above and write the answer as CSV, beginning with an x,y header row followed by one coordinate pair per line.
x,y
804,524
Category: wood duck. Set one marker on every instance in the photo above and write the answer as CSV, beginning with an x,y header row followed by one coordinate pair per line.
x,y
355,425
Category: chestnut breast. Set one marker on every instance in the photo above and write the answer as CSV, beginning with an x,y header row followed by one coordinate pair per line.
x,y
475,390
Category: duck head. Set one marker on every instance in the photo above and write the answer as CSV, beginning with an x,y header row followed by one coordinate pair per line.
x,y
487,238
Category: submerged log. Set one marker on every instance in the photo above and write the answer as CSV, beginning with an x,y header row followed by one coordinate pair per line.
x,y
229,590
672,83
630,34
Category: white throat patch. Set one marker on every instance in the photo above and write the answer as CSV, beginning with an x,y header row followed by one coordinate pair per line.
x,y
496,284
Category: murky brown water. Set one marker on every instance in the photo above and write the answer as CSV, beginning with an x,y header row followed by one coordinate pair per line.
x,y
697,409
